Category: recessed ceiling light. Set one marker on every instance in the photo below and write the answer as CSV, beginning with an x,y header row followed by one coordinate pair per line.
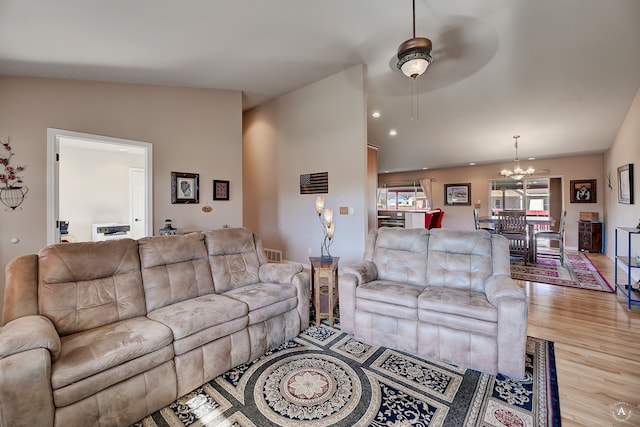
x,y
393,132
425,168
472,164
531,158
375,114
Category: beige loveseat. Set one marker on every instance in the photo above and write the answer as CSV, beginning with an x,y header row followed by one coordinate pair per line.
x,y
441,293
106,333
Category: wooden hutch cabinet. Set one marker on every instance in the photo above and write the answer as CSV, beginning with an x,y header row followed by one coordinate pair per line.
x,y
590,236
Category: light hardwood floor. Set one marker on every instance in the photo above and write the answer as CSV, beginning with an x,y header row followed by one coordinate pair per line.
x,y
597,347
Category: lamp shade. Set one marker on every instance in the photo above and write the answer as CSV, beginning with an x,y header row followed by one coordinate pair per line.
x,y
319,204
328,215
331,228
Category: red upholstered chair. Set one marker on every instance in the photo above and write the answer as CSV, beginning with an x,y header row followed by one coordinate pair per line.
x,y
428,216
436,219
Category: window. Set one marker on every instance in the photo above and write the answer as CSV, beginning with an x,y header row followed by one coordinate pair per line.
x,y
531,195
403,196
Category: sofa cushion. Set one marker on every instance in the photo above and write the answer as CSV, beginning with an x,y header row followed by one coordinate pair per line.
x,y
189,317
401,255
92,385
174,269
459,259
266,300
90,284
389,292
90,352
459,302
233,258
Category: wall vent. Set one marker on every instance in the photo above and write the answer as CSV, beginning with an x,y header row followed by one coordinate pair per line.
x,y
273,255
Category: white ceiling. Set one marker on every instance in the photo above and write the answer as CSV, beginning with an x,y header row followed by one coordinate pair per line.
x,y
560,73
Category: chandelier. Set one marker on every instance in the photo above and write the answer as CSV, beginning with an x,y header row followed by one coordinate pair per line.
x,y
517,173
414,55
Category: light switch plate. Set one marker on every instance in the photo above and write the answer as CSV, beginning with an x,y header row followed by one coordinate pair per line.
x,y
344,210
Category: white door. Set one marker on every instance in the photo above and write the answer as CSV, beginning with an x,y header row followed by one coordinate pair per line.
x,y
136,202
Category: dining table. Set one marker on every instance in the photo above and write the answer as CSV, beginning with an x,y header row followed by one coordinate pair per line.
x,y
534,223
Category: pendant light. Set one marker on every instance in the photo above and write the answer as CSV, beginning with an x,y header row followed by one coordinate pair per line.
x,y
517,173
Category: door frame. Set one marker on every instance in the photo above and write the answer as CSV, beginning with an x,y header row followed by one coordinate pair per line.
x,y
53,150
132,199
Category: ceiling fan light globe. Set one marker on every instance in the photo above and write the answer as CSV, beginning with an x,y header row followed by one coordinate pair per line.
x,y
415,67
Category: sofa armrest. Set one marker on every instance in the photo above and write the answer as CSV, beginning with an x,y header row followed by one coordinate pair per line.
x,y
27,347
301,282
279,273
29,333
365,271
502,286
510,300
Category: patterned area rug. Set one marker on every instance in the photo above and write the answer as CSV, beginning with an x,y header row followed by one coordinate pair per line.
x,y
578,271
327,378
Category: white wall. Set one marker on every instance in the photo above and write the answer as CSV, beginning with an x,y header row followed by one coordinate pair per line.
x,y
625,150
318,128
94,188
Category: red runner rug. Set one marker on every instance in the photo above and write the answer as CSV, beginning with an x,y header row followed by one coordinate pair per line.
x,y
578,272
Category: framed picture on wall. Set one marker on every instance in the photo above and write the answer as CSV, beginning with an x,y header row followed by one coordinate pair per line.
x,y
583,191
625,184
185,187
220,190
457,194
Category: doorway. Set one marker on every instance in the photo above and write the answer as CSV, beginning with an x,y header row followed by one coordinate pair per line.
x,y
96,180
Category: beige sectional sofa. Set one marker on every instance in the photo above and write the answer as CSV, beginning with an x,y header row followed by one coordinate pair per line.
x,y
441,293
106,333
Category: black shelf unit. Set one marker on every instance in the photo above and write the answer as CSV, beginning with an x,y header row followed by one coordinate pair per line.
x,y
627,261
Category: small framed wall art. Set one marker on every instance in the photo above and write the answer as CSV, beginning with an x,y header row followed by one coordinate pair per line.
x,y
220,190
625,184
185,187
457,194
583,191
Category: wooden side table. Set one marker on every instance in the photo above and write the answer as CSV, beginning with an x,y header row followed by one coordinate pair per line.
x,y
590,236
324,276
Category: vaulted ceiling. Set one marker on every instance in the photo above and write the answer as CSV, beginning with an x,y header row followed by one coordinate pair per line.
x,y
560,73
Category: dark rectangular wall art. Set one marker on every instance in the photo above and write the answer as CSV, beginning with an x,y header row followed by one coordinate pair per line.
x,y
185,187
220,189
314,183
584,191
625,184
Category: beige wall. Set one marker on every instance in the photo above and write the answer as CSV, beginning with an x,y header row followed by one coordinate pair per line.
x,y
625,149
570,168
192,130
318,128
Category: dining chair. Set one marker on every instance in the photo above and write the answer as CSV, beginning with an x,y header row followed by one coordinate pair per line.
x,y
552,235
476,220
512,224
436,219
